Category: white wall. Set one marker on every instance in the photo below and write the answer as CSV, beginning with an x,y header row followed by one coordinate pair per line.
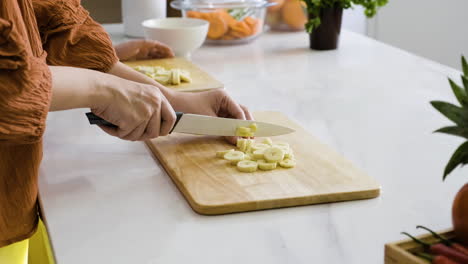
x,y
355,20
434,29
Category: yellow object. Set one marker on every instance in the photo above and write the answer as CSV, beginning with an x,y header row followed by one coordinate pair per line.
x,y
36,250
40,250
16,253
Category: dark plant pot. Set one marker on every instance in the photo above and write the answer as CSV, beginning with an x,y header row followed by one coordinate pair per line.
x,y
327,35
460,215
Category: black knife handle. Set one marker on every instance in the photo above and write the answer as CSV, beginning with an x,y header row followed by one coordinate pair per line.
x,y
96,120
178,117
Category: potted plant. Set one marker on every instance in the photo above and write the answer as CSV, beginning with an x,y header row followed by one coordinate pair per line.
x,y
324,23
459,116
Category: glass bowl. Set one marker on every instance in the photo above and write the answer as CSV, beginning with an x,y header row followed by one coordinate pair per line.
x,y
231,22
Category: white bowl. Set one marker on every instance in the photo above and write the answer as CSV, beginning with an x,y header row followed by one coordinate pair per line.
x,y
183,35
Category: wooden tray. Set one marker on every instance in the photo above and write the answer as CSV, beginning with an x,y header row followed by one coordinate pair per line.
x,y
212,186
402,252
201,80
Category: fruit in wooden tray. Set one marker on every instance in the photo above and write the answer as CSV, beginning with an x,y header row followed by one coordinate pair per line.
x,y
440,249
251,156
460,215
228,24
459,116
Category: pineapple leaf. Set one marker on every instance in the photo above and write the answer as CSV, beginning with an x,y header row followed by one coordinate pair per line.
x,y
464,66
454,130
457,114
459,93
465,83
459,157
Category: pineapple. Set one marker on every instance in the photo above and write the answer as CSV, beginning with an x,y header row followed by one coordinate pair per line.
x,y
458,115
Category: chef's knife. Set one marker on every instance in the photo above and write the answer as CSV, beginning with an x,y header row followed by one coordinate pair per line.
x,y
207,125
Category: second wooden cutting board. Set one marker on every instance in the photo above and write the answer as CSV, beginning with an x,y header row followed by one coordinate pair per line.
x,y
201,80
212,186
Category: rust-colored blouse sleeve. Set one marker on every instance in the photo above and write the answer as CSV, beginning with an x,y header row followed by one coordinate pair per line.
x,y
71,37
24,84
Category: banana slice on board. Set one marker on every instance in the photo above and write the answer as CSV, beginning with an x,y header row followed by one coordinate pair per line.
x,y
267,141
258,146
273,154
234,156
176,76
258,154
248,156
220,154
287,163
247,166
263,165
242,144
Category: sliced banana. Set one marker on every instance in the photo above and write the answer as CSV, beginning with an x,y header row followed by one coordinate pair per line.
x,y
247,166
176,76
253,127
258,154
283,147
163,79
273,154
249,156
284,144
234,156
242,144
185,76
173,76
248,145
263,165
246,131
267,141
221,153
258,146
289,154
287,163
243,130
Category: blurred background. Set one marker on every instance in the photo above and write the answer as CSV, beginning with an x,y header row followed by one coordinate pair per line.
x,y
430,28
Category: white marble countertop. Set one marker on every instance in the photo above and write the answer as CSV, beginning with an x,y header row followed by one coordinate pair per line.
x,y
108,201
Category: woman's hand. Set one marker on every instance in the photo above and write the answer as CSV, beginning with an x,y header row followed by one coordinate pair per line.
x,y
139,110
143,49
212,103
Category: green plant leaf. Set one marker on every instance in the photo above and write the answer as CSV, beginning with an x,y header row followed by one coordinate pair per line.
x,y
459,93
454,130
457,114
314,8
465,83
459,157
464,66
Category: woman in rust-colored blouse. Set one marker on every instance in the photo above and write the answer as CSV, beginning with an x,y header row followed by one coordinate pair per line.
x,y
53,56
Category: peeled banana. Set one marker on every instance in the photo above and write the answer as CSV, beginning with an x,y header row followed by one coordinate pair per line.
x,y
173,76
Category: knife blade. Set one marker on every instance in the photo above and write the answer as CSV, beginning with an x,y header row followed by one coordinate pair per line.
x,y
208,125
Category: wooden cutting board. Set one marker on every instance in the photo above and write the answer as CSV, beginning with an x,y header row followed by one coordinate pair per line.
x,y
212,186
201,80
